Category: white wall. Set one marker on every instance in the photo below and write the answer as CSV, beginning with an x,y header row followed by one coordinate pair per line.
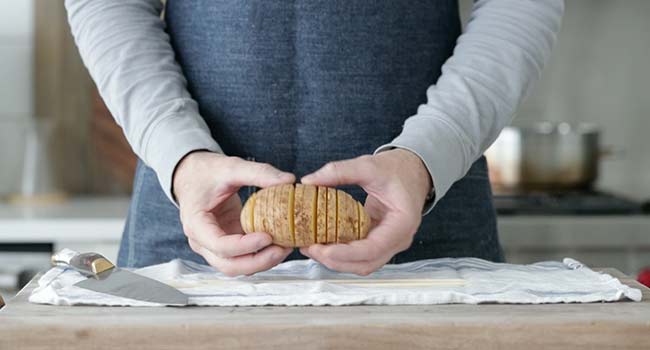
x,y
16,52
600,73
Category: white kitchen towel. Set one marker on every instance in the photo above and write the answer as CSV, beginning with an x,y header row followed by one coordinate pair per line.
x,y
484,282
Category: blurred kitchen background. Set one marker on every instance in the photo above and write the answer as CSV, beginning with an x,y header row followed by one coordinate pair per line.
x,y
66,169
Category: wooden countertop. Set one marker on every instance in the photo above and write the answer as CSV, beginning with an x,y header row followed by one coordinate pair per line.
x,y
579,326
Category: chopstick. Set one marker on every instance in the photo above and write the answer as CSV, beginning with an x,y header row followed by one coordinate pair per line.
x,y
411,282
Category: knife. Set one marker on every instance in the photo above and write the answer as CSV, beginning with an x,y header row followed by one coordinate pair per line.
x,y
104,277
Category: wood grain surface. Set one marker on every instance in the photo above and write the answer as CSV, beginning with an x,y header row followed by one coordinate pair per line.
x,y
621,325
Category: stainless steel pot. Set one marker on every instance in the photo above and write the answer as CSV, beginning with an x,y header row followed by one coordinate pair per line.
x,y
545,157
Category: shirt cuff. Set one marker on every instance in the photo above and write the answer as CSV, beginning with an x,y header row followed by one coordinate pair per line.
x,y
438,147
172,139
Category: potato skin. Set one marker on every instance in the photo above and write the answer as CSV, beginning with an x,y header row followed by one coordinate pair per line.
x,y
319,214
246,216
346,218
331,215
280,222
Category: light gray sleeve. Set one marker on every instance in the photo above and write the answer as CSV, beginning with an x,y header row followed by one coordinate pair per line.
x,y
496,60
127,52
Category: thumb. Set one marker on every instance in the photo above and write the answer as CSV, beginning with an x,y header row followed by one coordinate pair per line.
x,y
356,171
247,173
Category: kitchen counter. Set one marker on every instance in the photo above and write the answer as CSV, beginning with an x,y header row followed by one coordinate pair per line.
x,y
77,219
579,326
29,232
79,223
620,241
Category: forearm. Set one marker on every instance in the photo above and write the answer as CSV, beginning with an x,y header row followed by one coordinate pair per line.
x,y
495,63
127,52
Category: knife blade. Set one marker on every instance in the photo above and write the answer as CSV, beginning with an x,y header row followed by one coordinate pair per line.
x,y
104,277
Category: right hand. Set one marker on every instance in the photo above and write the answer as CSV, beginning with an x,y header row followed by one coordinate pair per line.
x,y
205,185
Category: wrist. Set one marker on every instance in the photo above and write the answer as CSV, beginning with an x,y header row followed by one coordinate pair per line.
x,y
422,173
186,166
422,178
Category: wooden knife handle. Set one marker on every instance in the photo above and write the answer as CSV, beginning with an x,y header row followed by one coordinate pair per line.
x,y
89,264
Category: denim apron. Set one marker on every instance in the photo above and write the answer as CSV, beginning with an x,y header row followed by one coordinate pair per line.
x,y
300,83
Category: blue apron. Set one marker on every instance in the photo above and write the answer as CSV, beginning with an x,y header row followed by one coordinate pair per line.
x,y
300,83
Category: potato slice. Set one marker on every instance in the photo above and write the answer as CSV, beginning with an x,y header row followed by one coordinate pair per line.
x,y
301,215
321,215
246,216
300,219
270,214
259,213
282,234
311,201
304,215
331,215
364,221
268,208
290,214
357,223
346,218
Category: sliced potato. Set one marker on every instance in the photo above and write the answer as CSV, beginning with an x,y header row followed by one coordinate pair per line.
x,y
304,215
321,215
301,219
246,216
310,199
346,218
276,219
364,222
290,214
281,233
269,216
259,211
301,215
331,215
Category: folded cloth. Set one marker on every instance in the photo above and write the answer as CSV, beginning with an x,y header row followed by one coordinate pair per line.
x,y
482,282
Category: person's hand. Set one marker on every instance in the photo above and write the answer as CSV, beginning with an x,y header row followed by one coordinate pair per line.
x,y
397,183
205,185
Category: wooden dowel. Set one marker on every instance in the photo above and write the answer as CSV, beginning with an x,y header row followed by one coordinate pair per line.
x,y
422,282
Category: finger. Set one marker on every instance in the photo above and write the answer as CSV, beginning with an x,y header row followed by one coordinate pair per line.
x,y
239,244
246,173
249,263
357,171
204,229
381,241
362,268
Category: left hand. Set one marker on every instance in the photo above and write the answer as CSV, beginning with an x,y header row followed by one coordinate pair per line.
x,y
397,184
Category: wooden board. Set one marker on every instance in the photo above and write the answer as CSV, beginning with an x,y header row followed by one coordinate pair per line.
x,y
577,326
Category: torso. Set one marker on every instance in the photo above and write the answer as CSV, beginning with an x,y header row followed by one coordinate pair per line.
x,y
300,83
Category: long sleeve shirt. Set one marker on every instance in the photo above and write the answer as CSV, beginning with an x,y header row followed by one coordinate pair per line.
x,y
496,60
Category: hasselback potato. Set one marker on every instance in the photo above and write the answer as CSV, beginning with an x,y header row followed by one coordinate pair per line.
x,y
300,215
